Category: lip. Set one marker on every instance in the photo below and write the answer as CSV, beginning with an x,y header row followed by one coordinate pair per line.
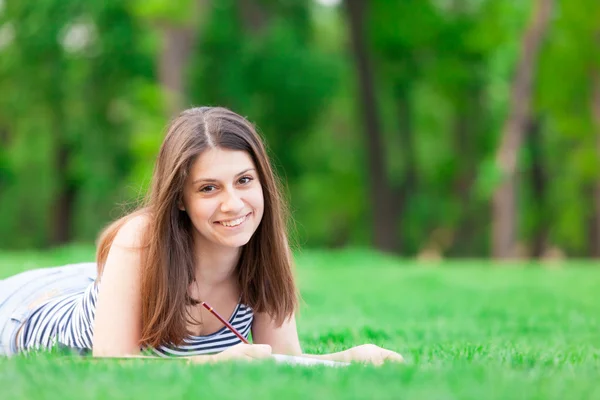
x,y
233,219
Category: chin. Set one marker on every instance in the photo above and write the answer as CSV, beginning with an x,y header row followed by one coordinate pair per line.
x,y
235,243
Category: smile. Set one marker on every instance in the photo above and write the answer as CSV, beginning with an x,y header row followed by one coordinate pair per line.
x,y
234,222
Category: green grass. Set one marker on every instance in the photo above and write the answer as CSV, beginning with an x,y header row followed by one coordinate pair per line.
x,y
468,330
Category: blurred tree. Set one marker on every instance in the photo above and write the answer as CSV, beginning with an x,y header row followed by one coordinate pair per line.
x,y
504,201
570,136
68,67
430,72
86,87
256,58
595,110
539,187
430,58
178,23
105,87
384,210
459,74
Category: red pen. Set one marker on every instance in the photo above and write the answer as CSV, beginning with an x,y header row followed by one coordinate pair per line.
x,y
227,324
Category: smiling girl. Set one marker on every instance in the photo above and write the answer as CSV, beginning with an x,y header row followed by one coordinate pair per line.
x,y
211,230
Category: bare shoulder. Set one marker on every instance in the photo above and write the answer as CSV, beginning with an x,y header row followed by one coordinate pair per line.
x,y
127,246
131,234
117,324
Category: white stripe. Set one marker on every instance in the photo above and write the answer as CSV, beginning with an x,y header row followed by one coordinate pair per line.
x,y
69,320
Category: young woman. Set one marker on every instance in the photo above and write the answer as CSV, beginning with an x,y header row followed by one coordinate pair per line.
x,y
211,230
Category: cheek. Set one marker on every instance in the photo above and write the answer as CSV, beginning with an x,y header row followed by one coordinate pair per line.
x,y
258,201
202,210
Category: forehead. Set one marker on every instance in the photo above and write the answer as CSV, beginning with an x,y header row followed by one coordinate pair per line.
x,y
218,163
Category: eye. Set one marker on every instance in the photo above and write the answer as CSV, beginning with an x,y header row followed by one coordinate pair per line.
x,y
207,189
245,180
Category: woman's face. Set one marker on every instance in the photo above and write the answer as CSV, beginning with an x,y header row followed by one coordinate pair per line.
x,y
223,198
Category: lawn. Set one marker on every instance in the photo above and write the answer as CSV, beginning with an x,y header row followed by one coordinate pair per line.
x,y
468,330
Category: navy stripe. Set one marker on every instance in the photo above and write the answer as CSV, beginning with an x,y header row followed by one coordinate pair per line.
x,y
198,349
68,320
195,343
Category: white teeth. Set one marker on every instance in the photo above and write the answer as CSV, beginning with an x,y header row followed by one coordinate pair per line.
x,y
235,222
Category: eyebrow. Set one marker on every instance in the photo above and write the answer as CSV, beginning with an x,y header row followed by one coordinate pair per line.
x,y
215,180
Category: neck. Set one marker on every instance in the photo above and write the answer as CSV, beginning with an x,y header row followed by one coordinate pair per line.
x,y
215,265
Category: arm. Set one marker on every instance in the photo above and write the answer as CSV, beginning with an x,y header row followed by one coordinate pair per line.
x,y
117,324
284,340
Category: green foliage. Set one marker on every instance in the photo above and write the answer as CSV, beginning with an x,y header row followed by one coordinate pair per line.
x,y
164,11
281,79
81,78
274,76
66,93
569,64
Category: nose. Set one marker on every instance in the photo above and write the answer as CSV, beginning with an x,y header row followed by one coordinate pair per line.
x,y
232,202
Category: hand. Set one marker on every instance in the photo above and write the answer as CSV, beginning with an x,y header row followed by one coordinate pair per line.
x,y
243,351
371,354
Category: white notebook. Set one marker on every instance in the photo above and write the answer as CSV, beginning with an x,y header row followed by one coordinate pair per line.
x,y
299,360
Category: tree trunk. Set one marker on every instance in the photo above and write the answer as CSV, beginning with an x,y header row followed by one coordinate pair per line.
x,y
504,208
177,45
538,187
402,196
4,137
253,15
381,201
62,207
595,222
468,124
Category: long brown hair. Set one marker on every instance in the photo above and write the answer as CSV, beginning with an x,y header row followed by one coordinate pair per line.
x,y
264,271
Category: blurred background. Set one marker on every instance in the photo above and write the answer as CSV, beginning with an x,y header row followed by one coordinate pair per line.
x,y
425,128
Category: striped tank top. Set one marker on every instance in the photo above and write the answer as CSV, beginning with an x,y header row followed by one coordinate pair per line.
x,y
67,321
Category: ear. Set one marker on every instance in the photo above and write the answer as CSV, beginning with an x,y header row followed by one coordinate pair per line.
x,y
180,205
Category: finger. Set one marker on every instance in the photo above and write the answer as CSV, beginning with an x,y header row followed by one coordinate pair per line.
x,y
377,360
393,357
243,357
260,351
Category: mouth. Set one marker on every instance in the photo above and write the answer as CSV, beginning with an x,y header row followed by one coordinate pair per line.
x,y
232,223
